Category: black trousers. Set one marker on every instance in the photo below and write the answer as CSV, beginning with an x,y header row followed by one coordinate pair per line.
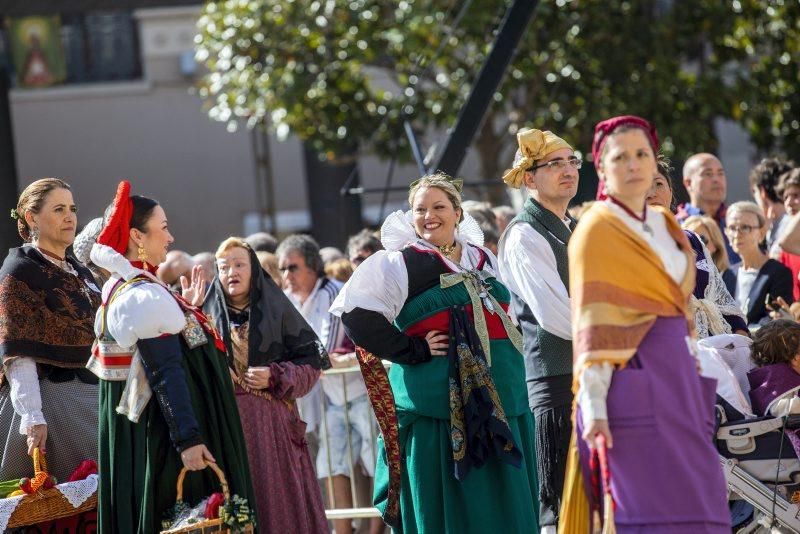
x,y
550,401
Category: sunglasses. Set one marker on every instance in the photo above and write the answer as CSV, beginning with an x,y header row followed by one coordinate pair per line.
x,y
292,268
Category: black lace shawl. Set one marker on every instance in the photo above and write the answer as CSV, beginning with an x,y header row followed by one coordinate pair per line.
x,y
45,313
277,331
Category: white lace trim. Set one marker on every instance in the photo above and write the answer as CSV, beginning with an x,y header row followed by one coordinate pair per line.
x,y
77,492
7,507
398,231
716,302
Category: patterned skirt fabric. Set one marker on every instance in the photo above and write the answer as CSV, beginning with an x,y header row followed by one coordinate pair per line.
x,y
288,496
70,409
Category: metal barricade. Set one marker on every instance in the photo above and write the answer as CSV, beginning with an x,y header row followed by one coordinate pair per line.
x,y
359,509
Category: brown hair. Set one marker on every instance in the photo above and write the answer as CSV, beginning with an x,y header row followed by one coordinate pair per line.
x,y
441,181
720,256
32,199
788,179
777,341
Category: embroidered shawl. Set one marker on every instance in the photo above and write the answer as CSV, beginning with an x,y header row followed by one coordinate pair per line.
x,y
619,287
45,313
277,332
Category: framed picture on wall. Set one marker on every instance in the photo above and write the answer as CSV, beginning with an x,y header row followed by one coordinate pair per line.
x,y
36,50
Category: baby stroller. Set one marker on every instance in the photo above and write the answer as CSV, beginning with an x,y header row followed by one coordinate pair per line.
x,y
758,459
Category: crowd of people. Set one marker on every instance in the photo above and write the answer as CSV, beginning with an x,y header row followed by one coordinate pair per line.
x,y
522,349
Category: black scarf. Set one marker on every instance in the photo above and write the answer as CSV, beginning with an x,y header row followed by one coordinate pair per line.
x,y
46,313
277,332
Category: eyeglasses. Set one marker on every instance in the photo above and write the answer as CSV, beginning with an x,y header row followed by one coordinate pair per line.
x,y
742,228
292,268
559,164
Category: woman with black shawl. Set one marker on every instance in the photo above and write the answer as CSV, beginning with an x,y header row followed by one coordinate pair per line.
x,y
275,357
47,306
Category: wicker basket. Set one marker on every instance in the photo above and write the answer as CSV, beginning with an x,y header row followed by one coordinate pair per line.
x,y
46,505
209,526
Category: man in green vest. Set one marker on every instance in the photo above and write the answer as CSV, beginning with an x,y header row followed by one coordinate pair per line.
x,y
533,263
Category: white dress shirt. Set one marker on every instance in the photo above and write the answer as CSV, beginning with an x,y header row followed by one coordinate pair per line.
x,y
528,267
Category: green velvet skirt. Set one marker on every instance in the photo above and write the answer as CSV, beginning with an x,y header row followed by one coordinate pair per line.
x,y
138,464
497,497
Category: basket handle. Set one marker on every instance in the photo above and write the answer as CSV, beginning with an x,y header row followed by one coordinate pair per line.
x,y
39,461
220,475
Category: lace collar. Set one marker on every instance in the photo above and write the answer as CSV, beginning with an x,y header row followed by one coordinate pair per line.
x,y
397,231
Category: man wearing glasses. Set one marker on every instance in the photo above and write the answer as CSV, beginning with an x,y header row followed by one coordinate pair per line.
x,y
533,263
707,185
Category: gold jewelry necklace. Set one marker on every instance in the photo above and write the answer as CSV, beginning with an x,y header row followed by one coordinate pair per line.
x,y
447,250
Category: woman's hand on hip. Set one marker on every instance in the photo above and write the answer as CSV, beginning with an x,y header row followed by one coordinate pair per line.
x,y
438,342
595,427
37,436
257,377
195,458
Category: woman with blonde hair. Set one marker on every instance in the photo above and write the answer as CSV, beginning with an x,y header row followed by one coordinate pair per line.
x,y
274,357
709,233
457,446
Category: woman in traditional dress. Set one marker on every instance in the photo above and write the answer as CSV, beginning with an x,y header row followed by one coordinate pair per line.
x,y
274,358
457,446
47,305
166,398
638,387
714,310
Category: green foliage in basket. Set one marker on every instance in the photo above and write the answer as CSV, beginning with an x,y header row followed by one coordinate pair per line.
x,y
236,514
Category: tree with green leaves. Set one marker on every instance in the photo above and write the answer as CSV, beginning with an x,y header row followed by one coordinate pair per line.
x,y
344,74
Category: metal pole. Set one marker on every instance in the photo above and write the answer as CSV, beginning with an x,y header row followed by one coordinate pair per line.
x,y
489,79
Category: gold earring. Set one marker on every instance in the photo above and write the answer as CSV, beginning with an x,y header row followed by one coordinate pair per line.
x,y
142,254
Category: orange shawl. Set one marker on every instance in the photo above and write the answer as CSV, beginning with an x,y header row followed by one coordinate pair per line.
x,y
619,287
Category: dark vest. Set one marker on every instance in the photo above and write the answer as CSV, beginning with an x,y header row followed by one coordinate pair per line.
x,y
545,354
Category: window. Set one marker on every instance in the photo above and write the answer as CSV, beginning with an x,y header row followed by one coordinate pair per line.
x,y
45,51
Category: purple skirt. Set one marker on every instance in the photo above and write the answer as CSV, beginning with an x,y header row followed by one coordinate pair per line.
x,y
665,471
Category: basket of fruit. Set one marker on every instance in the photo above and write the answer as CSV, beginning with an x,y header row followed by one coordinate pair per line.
x,y
219,513
41,500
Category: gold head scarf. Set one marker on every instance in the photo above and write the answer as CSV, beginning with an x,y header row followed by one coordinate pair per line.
x,y
533,146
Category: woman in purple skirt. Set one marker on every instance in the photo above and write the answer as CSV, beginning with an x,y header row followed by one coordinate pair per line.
x,y
274,358
639,392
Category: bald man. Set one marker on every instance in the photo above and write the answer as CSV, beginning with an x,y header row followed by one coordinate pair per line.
x,y
705,181
177,263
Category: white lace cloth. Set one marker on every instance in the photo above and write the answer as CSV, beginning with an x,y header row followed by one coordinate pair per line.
x,y
716,302
75,492
7,507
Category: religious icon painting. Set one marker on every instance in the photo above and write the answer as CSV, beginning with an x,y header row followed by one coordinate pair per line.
x,y
36,50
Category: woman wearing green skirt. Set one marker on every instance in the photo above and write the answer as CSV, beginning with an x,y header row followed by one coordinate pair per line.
x,y
166,396
457,447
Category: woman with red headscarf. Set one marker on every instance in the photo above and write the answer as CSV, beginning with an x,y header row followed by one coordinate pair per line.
x,y
642,457
166,397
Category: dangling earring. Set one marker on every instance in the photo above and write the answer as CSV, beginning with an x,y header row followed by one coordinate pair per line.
x,y
142,255
34,233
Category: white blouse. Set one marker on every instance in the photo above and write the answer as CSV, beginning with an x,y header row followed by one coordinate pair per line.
x,y
380,283
143,312
596,379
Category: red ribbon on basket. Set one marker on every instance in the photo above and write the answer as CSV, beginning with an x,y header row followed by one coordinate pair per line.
x,y
601,485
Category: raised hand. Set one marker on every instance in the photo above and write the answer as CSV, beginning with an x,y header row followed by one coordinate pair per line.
x,y
195,290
